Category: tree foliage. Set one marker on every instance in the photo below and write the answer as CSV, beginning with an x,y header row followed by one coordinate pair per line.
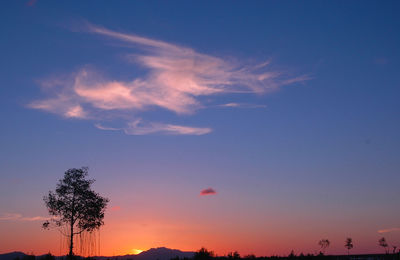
x,y
75,205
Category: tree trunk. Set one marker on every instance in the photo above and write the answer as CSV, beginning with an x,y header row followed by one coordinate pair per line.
x,y
71,241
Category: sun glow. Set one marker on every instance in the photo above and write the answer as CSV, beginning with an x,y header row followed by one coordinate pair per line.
x,y
136,251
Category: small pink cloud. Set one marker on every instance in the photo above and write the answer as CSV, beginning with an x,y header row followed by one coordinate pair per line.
x,y
209,191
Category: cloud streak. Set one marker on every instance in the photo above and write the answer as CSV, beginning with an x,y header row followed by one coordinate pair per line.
x,y
388,230
242,105
139,127
176,79
19,217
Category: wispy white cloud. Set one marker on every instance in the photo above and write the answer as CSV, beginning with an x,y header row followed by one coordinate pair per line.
x,y
243,105
140,127
177,77
106,128
388,230
19,217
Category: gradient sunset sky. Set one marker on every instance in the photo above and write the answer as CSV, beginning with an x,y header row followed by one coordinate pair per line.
x,y
256,126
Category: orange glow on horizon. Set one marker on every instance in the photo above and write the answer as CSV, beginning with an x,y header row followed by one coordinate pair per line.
x,y
136,251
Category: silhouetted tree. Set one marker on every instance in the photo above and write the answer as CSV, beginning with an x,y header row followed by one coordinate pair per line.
x,y
324,244
348,244
382,242
75,205
394,249
203,254
233,255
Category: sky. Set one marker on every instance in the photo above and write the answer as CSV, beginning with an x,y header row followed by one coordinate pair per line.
x,y
256,126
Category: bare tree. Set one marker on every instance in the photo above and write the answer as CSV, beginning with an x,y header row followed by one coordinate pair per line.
x,y
348,244
324,244
382,242
75,205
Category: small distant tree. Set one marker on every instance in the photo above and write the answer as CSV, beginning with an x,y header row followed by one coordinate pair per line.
x,y
75,205
324,244
233,255
394,249
348,245
203,254
382,242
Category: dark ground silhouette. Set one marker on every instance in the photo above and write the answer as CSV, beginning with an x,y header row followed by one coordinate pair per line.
x,y
202,254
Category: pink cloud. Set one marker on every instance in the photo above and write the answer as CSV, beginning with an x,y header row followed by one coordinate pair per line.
x,y
177,78
209,191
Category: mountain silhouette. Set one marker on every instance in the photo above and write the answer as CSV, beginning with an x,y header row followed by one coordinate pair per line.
x,y
160,253
11,256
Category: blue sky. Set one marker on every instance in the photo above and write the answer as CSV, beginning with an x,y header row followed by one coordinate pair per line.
x,y
325,147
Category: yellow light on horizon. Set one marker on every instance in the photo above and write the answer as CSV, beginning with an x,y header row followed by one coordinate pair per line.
x,y
136,251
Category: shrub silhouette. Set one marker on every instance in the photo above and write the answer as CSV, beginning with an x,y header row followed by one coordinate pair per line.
x,y
203,254
382,242
233,255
